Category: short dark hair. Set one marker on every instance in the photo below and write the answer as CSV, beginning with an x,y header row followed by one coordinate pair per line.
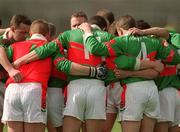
x,y
126,22
79,14
141,24
16,20
106,14
99,21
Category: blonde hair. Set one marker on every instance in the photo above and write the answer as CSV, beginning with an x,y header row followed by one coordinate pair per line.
x,y
39,26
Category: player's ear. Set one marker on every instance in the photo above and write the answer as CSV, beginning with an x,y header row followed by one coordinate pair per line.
x,y
12,28
119,31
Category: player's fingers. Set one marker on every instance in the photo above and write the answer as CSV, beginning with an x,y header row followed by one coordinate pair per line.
x,y
17,78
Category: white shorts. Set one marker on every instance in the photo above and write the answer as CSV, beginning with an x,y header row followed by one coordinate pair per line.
x,y
55,106
141,98
86,99
114,91
2,91
22,102
170,105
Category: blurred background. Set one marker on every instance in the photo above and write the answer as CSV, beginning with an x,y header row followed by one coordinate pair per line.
x,y
156,12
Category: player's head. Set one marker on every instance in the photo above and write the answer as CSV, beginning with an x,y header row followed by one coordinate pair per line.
x,y
124,23
99,21
39,27
77,19
106,14
141,24
20,25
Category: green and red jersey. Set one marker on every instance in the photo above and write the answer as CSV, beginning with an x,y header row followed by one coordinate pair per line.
x,y
54,49
37,71
142,47
73,41
174,39
58,79
168,77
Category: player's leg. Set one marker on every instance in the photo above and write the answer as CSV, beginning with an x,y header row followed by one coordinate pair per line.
x,y
71,124
130,126
94,125
83,127
14,126
109,122
147,124
34,127
162,127
174,129
50,127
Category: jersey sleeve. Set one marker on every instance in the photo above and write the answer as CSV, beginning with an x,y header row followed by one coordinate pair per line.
x,y
53,47
64,39
61,63
94,46
9,52
46,50
167,53
174,39
110,48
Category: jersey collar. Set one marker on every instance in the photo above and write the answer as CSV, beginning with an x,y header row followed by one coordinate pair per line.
x,y
38,36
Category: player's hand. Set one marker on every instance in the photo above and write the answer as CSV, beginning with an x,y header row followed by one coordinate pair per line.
x,y
158,66
15,74
86,27
135,31
100,72
121,73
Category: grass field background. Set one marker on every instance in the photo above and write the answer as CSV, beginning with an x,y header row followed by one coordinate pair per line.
x,y
116,127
